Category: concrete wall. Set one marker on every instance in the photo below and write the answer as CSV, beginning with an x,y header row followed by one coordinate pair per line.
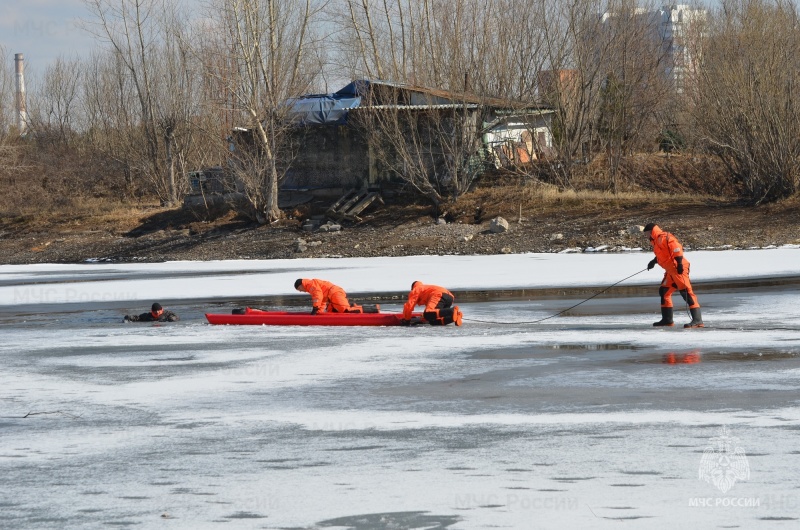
x,y
329,156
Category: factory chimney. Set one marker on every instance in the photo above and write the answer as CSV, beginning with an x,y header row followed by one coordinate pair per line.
x,y
22,113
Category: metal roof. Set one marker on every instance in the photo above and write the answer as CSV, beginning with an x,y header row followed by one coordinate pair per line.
x,y
333,109
419,107
363,88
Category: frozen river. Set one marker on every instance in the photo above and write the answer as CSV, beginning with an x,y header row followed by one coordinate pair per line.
x,y
593,419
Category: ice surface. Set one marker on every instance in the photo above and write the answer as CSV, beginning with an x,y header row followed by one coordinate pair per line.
x,y
30,284
592,419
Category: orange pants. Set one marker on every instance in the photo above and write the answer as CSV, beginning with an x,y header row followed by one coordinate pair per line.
x,y
677,282
337,301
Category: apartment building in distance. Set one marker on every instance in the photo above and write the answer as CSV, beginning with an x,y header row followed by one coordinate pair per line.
x,y
678,28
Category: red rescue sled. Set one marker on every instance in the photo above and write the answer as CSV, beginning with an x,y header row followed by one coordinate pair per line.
x,y
258,317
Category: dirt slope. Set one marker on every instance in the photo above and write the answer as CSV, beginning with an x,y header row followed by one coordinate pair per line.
x,y
154,234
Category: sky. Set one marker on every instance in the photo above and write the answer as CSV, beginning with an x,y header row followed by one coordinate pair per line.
x,y
43,30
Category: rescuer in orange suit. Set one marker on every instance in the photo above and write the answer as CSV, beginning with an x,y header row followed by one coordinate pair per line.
x,y
669,255
438,303
325,296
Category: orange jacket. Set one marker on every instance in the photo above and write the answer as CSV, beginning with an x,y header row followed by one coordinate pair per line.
x,y
421,294
321,292
667,248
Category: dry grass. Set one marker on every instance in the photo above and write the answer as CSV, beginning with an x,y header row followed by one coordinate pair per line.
x,y
661,184
644,181
512,201
78,213
682,174
536,198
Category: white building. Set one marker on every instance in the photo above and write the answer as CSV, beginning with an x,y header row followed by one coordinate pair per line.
x,y
678,28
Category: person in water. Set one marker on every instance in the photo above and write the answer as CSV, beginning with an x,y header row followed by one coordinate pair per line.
x,y
156,314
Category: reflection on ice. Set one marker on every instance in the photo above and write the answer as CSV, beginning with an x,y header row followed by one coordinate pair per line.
x,y
692,357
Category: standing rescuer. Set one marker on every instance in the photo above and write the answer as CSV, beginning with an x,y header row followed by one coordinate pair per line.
x,y
669,255
437,301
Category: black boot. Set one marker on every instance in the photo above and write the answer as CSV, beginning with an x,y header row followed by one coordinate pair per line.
x,y
666,318
439,317
697,319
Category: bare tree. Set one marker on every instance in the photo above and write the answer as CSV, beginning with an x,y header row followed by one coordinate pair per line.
x,y
264,59
428,46
433,146
747,93
605,78
112,122
134,31
178,95
507,52
572,80
54,107
635,83
6,96
422,42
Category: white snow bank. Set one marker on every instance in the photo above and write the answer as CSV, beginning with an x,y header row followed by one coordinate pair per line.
x,y
26,284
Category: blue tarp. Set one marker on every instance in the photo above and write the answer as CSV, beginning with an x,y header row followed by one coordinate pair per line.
x,y
323,109
353,90
410,95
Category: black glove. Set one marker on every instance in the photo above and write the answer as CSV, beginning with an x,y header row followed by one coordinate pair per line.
x,y
652,263
314,311
679,268
404,322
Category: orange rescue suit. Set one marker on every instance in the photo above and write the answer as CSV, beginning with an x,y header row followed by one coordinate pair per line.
x,y
667,248
326,296
422,294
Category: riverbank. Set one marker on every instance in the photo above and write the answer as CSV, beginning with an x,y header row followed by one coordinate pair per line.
x,y
152,234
